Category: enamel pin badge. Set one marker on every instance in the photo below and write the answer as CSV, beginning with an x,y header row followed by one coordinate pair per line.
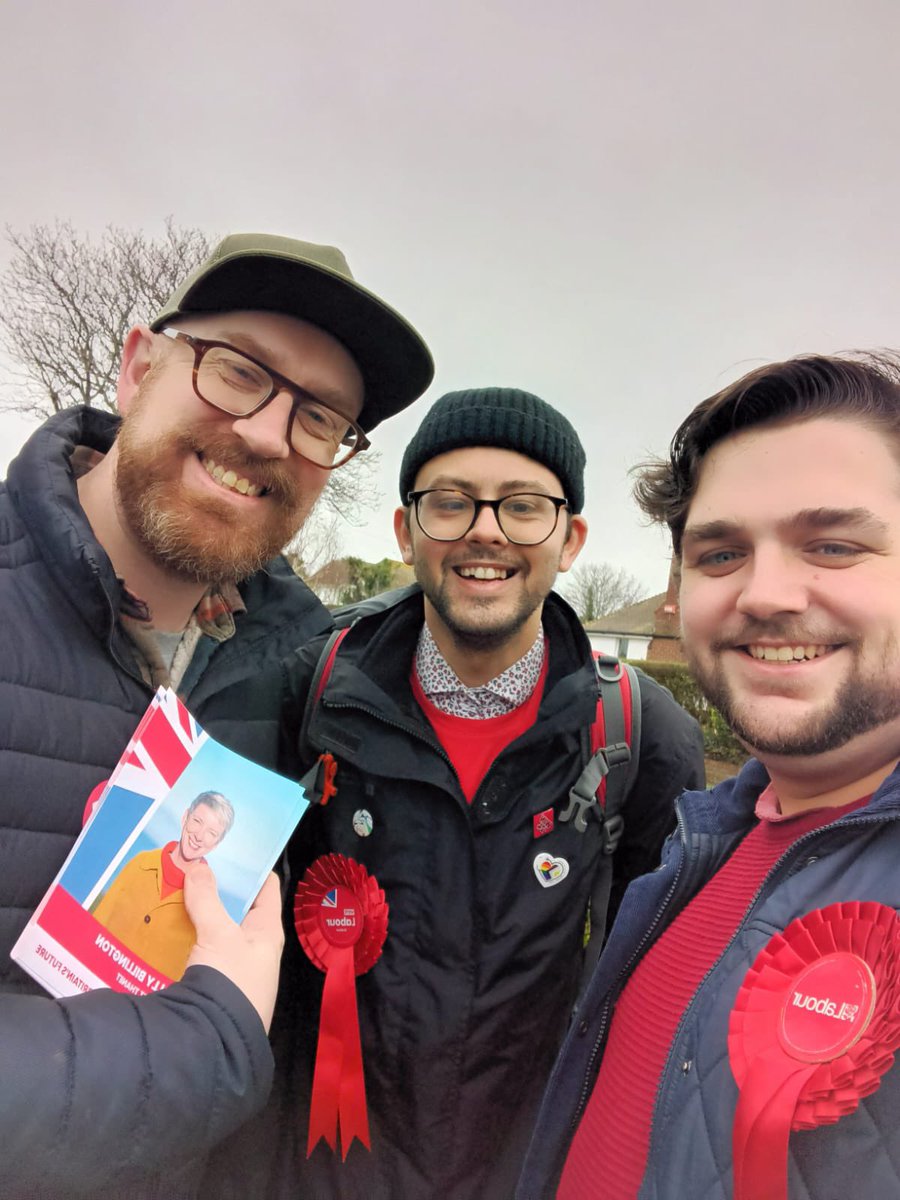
x,y
550,870
362,822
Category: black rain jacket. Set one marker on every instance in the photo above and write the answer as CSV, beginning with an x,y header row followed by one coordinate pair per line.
x,y
462,1015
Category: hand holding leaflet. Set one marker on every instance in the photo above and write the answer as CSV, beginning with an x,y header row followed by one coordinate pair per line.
x,y
249,953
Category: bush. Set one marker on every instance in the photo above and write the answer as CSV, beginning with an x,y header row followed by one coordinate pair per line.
x,y
718,739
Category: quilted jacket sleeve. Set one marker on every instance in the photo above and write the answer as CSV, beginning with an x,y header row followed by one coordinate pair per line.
x,y
104,1086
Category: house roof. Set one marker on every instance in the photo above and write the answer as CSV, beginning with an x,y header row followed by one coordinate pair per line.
x,y
334,574
641,619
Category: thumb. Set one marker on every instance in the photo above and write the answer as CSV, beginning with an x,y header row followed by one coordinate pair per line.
x,y
201,899
265,914
249,953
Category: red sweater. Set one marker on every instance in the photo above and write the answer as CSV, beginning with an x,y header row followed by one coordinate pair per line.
x,y
473,744
609,1151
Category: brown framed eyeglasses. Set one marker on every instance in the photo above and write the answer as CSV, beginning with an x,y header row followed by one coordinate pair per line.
x,y
239,384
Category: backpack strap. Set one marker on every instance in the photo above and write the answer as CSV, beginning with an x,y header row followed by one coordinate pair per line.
x,y
621,732
605,783
318,782
607,776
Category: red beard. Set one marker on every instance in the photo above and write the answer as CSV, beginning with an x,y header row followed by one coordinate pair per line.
x,y
193,534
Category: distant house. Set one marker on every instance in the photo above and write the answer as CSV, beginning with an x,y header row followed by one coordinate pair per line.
x,y
650,629
331,581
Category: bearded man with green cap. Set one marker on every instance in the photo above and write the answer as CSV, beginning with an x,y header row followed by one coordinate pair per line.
x,y
144,552
456,718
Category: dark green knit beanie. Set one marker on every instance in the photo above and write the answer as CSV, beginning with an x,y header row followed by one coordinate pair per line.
x,y
503,417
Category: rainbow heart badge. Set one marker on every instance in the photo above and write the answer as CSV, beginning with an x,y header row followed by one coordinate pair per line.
x,y
550,870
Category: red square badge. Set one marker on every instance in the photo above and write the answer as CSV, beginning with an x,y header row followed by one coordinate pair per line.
x,y
543,822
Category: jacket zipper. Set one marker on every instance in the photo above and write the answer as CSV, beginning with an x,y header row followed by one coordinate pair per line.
x,y
636,954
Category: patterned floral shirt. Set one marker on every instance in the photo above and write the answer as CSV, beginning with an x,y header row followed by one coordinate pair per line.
x,y
499,695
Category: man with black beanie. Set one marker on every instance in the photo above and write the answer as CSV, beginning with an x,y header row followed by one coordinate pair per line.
x,y
454,717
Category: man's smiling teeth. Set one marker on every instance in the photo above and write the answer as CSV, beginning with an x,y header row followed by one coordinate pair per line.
x,y
787,653
230,479
484,572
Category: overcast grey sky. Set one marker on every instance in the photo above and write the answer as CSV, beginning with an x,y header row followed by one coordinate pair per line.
x,y
618,205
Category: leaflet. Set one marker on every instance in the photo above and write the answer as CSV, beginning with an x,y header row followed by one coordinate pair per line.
x,y
115,916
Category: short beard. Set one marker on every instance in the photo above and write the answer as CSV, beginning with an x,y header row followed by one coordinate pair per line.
x,y
859,706
475,637
198,538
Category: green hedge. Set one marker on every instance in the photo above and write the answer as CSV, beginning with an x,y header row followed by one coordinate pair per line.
x,y
717,737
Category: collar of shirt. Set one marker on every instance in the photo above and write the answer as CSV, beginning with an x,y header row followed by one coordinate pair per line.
x,y
214,613
499,695
172,876
213,617
768,808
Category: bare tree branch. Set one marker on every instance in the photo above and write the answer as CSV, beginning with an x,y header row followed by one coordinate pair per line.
x,y
67,302
353,490
596,589
318,542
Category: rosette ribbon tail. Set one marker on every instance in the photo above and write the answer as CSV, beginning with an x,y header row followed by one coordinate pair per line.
x,y
762,1126
339,1091
341,919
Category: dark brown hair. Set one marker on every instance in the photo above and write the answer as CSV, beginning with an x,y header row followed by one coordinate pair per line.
x,y
864,387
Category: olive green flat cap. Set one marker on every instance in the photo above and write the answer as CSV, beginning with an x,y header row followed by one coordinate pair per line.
x,y
260,271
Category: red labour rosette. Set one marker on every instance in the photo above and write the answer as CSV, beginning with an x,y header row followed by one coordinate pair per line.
x,y
341,918
814,1026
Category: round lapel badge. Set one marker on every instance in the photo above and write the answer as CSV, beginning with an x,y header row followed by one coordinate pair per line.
x,y
362,822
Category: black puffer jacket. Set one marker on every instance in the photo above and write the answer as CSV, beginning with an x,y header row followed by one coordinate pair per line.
x,y
71,693
99,1089
463,1014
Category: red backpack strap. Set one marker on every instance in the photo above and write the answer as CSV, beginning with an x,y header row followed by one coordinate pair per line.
x,y
611,771
604,782
318,782
325,664
598,729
